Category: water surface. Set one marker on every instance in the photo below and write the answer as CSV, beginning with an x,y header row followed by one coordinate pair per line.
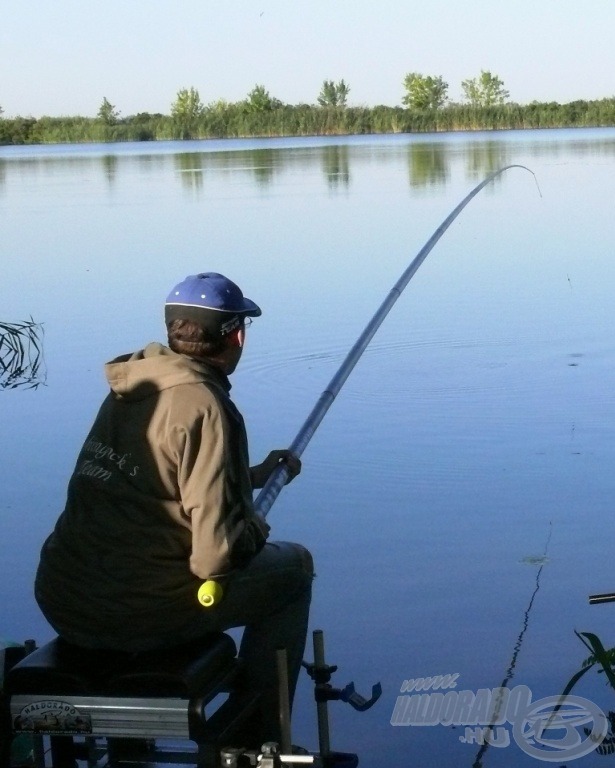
x,y
458,496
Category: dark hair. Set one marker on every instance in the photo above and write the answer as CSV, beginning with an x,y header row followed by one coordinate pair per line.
x,y
187,337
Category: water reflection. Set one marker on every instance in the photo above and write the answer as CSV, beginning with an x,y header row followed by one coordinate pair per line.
x,y
109,163
151,163
427,164
485,158
336,166
430,159
191,167
263,164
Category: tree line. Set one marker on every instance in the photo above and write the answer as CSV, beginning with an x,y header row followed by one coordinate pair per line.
x,y
426,108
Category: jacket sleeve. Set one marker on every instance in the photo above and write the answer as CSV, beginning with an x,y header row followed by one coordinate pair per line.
x,y
225,533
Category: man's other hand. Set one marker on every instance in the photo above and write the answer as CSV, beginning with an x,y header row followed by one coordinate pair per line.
x,y
260,473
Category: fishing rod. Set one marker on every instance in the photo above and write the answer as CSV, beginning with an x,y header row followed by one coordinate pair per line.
x,y
279,476
210,592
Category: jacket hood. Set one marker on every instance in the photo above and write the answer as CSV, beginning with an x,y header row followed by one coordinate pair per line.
x,y
155,368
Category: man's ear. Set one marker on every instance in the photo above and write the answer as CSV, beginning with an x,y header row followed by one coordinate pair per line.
x,y
235,338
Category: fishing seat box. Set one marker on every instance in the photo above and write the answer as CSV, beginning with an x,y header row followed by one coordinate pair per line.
x,y
61,692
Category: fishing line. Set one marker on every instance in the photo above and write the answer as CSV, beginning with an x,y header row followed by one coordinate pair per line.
x,y
495,706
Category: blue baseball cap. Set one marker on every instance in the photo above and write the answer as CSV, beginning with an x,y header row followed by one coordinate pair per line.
x,y
212,300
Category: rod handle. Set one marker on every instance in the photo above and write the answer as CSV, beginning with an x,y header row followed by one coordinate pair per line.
x,y
210,593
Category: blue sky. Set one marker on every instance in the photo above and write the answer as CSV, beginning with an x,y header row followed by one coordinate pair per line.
x,y
61,57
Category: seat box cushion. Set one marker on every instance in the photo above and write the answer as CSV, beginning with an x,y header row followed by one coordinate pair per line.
x,y
59,668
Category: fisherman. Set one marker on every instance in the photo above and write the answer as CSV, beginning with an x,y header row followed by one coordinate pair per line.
x,y
161,500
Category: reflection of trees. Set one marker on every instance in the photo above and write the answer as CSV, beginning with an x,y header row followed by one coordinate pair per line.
x,y
190,167
486,157
336,165
429,161
427,164
262,162
109,163
263,165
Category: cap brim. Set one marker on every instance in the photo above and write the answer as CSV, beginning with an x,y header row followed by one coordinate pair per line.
x,y
250,308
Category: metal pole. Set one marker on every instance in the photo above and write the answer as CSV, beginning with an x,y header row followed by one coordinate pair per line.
x,y
322,711
284,702
279,476
609,597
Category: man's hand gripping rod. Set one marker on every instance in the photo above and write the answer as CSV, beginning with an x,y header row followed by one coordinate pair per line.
x,y
270,491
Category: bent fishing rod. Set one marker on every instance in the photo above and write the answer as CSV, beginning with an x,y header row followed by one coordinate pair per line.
x,y
210,592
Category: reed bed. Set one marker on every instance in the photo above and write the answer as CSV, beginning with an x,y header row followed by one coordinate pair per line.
x,y
22,363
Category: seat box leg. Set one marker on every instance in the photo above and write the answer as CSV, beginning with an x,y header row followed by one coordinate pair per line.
x,y
63,752
5,737
208,756
38,749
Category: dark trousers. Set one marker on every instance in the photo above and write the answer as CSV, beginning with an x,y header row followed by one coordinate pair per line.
x,y
270,597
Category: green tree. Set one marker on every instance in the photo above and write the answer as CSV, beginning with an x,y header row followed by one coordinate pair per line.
x,y
220,106
485,91
328,94
107,113
186,112
424,91
259,100
333,94
342,93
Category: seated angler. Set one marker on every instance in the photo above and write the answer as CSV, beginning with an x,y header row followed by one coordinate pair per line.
x,y
161,500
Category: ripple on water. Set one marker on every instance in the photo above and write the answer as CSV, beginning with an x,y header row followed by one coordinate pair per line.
x,y
481,378
440,409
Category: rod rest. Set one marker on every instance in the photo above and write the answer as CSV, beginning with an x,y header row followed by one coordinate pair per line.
x,y
185,671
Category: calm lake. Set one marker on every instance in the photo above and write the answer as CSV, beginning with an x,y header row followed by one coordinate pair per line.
x,y
458,497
